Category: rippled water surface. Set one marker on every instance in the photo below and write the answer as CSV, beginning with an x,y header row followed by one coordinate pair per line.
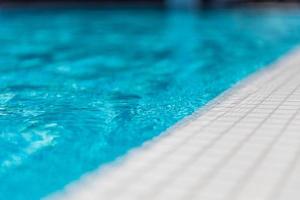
x,y
80,87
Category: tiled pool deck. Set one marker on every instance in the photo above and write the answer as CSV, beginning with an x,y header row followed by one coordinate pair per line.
x,y
244,145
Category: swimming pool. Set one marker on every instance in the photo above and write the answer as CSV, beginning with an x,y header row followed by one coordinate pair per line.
x,y
82,87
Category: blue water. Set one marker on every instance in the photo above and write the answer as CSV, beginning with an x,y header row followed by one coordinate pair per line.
x,y
79,88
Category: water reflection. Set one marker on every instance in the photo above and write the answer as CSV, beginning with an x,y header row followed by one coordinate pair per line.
x,y
79,88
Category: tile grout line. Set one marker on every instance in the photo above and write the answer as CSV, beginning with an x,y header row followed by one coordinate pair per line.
x,y
203,151
258,161
226,159
280,185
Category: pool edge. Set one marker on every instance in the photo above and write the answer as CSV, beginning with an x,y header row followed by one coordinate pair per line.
x,y
82,186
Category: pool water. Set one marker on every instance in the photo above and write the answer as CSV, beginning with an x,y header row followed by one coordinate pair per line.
x,y
78,88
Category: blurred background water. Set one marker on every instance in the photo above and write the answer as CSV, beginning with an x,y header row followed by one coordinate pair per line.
x,y
80,87
162,3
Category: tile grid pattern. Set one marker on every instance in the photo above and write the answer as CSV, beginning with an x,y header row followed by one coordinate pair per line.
x,y
244,145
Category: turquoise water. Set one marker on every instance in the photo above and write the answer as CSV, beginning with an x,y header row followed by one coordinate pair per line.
x,y
79,88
